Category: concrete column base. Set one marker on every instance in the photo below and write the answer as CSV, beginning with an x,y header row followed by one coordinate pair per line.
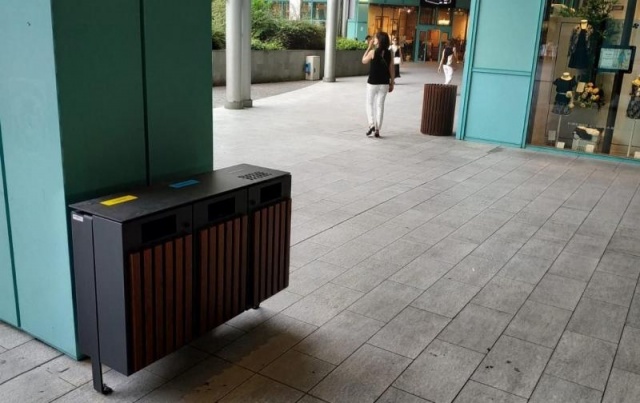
x,y
234,105
247,103
328,80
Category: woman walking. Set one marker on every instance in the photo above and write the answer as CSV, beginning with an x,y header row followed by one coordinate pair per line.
x,y
446,61
380,81
396,52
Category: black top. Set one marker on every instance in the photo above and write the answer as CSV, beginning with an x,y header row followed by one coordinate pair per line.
x,y
448,51
562,86
379,67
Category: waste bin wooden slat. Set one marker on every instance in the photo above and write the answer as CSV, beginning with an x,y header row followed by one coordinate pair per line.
x,y
159,299
180,293
244,265
228,268
236,267
170,305
188,287
137,317
148,306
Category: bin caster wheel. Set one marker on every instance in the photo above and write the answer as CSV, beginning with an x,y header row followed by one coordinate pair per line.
x,y
257,306
106,390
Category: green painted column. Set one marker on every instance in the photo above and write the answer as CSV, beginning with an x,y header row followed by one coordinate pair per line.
x,y
92,94
177,48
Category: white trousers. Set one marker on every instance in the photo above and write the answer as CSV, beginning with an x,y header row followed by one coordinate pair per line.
x,y
376,95
448,73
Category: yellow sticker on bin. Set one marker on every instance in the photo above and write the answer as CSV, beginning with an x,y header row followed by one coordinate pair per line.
x,y
118,200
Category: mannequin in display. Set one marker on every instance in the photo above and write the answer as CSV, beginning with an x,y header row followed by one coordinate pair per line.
x,y
633,109
580,46
563,101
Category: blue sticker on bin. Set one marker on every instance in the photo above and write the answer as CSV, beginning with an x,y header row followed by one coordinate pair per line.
x,y
184,184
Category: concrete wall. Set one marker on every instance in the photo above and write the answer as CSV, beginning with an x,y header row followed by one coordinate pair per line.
x,y
288,65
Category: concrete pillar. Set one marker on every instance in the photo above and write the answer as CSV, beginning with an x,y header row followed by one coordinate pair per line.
x,y
294,9
245,58
345,18
330,42
234,54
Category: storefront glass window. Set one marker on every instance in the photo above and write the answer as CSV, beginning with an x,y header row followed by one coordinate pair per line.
x,y
280,8
587,90
305,11
319,12
428,16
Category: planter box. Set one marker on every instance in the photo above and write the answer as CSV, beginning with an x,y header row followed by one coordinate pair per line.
x,y
288,65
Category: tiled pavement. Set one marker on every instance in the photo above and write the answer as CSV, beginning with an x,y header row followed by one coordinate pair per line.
x,y
423,270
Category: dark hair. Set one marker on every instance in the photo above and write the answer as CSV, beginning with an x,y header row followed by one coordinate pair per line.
x,y
383,43
383,40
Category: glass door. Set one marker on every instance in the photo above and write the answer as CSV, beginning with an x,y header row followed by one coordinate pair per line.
x,y
431,41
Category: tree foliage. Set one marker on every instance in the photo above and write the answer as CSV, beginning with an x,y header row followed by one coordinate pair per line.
x,y
268,30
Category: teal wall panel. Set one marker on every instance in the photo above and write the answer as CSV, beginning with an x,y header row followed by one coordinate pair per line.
x,y
362,13
495,111
33,169
177,50
99,69
499,70
506,34
8,303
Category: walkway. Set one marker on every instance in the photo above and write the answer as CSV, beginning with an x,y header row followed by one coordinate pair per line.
x,y
423,270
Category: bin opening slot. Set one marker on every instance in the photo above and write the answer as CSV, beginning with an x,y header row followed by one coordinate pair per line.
x,y
160,228
271,193
221,209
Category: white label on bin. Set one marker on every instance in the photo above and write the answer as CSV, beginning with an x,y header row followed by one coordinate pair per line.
x,y
77,217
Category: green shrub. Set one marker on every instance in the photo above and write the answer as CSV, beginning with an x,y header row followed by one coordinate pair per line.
x,y
257,44
218,40
301,35
264,23
218,15
350,44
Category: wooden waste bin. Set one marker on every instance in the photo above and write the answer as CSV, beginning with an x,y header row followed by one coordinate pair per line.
x,y
438,109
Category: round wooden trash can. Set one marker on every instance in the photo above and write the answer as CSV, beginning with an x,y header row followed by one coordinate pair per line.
x,y
438,109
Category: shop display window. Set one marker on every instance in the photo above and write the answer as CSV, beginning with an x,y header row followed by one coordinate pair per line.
x,y
577,102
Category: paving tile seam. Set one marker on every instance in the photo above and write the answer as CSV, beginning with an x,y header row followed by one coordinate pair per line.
x,y
291,386
494,387
544,371
626,319
7,349
603,391
409,393
442,191
30,369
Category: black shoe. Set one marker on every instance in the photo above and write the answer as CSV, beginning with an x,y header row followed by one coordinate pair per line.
x,y
371,130
377,134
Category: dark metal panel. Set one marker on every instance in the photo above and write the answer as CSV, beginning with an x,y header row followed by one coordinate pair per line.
x,y
111,294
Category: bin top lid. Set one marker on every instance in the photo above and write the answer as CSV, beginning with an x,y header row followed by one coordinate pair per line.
x,y
144,201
